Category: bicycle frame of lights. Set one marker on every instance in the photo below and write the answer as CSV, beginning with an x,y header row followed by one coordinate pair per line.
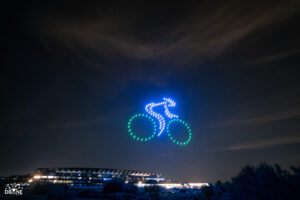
x,y
162,122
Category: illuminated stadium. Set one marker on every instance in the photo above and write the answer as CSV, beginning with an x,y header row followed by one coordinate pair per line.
x,y
91,176
82,177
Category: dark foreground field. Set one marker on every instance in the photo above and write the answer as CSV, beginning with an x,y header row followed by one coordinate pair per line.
x,y
263,182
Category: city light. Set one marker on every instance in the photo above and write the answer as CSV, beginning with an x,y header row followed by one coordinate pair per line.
x,y
37,177
195,185
173,185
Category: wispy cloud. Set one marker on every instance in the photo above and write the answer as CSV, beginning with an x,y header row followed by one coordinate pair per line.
x,y
266,143
272,58
280,106
264,116
204,34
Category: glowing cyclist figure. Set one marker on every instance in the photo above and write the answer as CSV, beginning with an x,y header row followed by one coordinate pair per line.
x,y
166,103
162,122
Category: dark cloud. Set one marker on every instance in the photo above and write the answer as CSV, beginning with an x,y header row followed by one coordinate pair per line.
x,y
208,31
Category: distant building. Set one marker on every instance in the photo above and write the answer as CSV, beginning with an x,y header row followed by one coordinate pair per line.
x,y
96,177
15,179
90,176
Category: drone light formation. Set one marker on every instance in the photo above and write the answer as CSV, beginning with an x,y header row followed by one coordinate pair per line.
x,y
161,120
171,103
159,117
180,143
142,139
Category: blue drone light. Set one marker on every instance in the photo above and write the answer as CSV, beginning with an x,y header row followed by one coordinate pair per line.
x,y
162,122
166,103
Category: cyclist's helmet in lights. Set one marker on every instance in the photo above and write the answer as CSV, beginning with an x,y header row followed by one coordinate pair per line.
x,y
172,118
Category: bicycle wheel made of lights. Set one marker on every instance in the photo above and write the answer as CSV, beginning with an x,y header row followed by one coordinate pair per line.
x,y
134,135
189,137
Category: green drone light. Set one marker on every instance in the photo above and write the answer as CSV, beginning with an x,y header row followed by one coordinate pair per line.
x,y
133,135
180,143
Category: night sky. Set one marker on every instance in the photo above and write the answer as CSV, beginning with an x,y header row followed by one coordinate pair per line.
x,y
72,74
